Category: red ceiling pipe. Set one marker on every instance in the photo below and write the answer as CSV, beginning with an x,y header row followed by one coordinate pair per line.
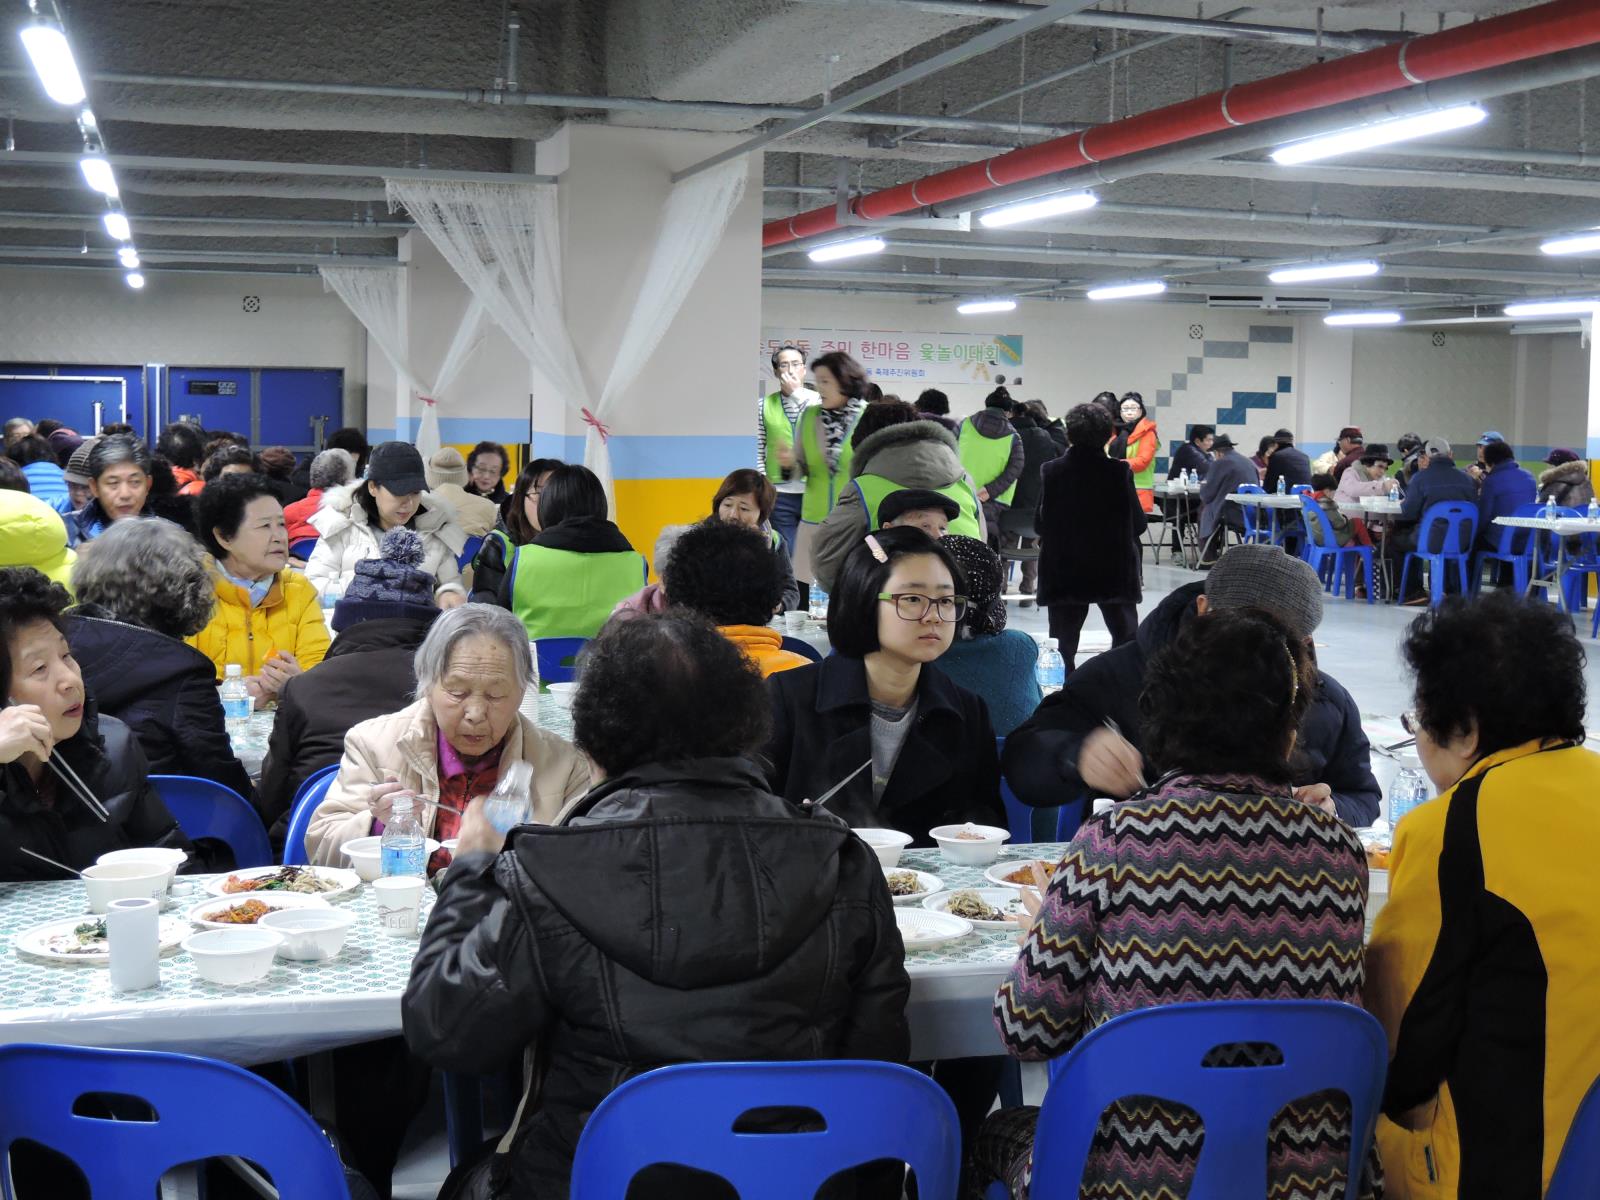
x,y
1515,37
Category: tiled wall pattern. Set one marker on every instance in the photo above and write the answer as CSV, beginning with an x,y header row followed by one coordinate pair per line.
x,y
1244,395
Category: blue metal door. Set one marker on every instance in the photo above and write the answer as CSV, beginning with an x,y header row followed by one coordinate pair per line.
x,y
299,407
37,392
212,397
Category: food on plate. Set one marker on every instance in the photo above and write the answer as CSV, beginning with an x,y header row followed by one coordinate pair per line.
x,y
88,938
247,913
970,905
1024,873
970,835
304,880
904,883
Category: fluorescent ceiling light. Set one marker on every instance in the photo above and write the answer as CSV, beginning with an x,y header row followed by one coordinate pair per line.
x,y
97,174
834,251
1349,270
1362,318
129,257
1380,133
86,119
1577,243
1553,308
1121,291
52,60
117,226
135,280
1038,210
974,307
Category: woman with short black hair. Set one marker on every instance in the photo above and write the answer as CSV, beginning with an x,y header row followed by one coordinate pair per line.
x,y
268,617
229,458
566,581
49,716
1482,962
879,699
732,574
783,945
487,463
517,525
35,461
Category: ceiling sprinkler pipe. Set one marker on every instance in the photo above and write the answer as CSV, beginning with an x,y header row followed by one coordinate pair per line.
x,y
1513,38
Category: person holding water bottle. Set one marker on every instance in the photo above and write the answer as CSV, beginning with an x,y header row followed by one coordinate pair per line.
x,y
456,743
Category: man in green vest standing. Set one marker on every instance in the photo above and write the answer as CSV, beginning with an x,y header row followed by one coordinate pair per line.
x,y
991,451
822,447
780,413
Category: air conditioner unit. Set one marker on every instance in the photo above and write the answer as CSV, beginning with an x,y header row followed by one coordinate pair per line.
x,y
1270,301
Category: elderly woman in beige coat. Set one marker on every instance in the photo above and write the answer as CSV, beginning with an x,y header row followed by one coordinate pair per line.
x,y
452,743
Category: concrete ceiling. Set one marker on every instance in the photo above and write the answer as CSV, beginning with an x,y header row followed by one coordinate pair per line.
x,y
282,81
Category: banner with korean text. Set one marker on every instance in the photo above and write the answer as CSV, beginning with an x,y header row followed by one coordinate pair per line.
x,y
901,361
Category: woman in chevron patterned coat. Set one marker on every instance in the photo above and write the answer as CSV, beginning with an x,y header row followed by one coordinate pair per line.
x,y
1132,917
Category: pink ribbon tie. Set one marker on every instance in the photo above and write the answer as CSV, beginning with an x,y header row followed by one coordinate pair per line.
x,y
600,426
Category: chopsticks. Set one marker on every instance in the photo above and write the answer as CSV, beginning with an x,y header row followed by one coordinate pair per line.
x,y
76,786
51,861
447,807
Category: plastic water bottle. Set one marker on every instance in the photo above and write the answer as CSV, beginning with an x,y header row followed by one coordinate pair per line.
x,y
1051,670
1549,508
1594,509
403,850
332,595
511,802
235,701
1409,789
819,603
1283,486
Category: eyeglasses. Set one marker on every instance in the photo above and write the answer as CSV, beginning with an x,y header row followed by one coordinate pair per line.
x,y
909,606
1410,722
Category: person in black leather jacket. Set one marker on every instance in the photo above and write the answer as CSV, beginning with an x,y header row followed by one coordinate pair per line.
x,y
48,715
680,912
1085,741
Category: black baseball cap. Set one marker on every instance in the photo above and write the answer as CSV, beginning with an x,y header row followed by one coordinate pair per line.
x,y
398,467
897,504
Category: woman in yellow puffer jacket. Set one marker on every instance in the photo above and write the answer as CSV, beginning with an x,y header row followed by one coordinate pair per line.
x,y
268,618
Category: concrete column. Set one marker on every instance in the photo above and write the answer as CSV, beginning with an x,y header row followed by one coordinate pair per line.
x,y
1592,443
689,419
1324,383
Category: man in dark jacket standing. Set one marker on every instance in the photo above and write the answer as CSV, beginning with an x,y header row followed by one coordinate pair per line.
x,y
991,451
1286,463
1089,524
1038,448
680,912
1084,741
382,619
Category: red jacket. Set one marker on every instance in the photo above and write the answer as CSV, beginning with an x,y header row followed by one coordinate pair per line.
x,y
298,515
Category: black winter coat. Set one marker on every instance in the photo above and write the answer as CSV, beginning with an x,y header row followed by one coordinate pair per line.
x,y
1290,465
679,914
1038,448
948,770
1189,457
367,673
1041,759
164,690
106,756
1089,524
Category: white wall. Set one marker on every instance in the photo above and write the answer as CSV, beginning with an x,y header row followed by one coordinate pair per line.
x,y
56,316
1552,385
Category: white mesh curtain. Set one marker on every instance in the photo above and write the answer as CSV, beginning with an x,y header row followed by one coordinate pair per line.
x,y
503,240
372,294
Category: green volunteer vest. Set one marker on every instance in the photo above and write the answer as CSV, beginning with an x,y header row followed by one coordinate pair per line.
x,y
1144,480
875,489
561,593
822,485
780,434
986,457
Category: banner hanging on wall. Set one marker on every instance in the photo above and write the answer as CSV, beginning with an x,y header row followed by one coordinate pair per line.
x,y
898,360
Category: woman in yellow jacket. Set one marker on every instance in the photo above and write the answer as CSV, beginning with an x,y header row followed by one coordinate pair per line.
x,y
268,618
1482,964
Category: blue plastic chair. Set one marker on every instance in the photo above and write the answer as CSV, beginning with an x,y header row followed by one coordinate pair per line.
x,y
558,658
469,552
1456,523
803,648
312,793
205,808
686,1114
1254,531
1159,1052
1334,564
202,1109
1577,1173
1512,546
302,547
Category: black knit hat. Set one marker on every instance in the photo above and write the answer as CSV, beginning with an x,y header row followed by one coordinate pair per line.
x,y
986,611
389,586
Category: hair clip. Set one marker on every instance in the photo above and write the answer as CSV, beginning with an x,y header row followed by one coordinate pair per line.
x,y
877,550
1294,676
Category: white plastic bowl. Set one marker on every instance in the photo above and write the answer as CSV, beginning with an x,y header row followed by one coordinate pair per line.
x,y
124,881
233,956
968,852
562,693
887,844
310,934
365,855
169,858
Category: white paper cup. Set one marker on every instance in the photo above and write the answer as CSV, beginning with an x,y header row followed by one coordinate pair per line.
x,y
399,899
794,620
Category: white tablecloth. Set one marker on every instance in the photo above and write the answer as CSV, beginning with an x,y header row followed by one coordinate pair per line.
x,y
1265,500
1564,526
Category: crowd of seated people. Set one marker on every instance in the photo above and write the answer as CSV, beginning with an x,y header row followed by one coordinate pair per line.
x,y
741,920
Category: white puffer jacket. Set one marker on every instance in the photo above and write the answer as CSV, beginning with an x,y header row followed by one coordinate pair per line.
x,y
345,537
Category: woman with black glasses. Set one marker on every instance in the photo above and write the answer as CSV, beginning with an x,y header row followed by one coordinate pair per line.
x,y
924,747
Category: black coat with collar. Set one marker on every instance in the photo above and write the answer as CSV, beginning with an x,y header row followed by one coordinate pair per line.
x,y
106,756
948,770
1089,525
